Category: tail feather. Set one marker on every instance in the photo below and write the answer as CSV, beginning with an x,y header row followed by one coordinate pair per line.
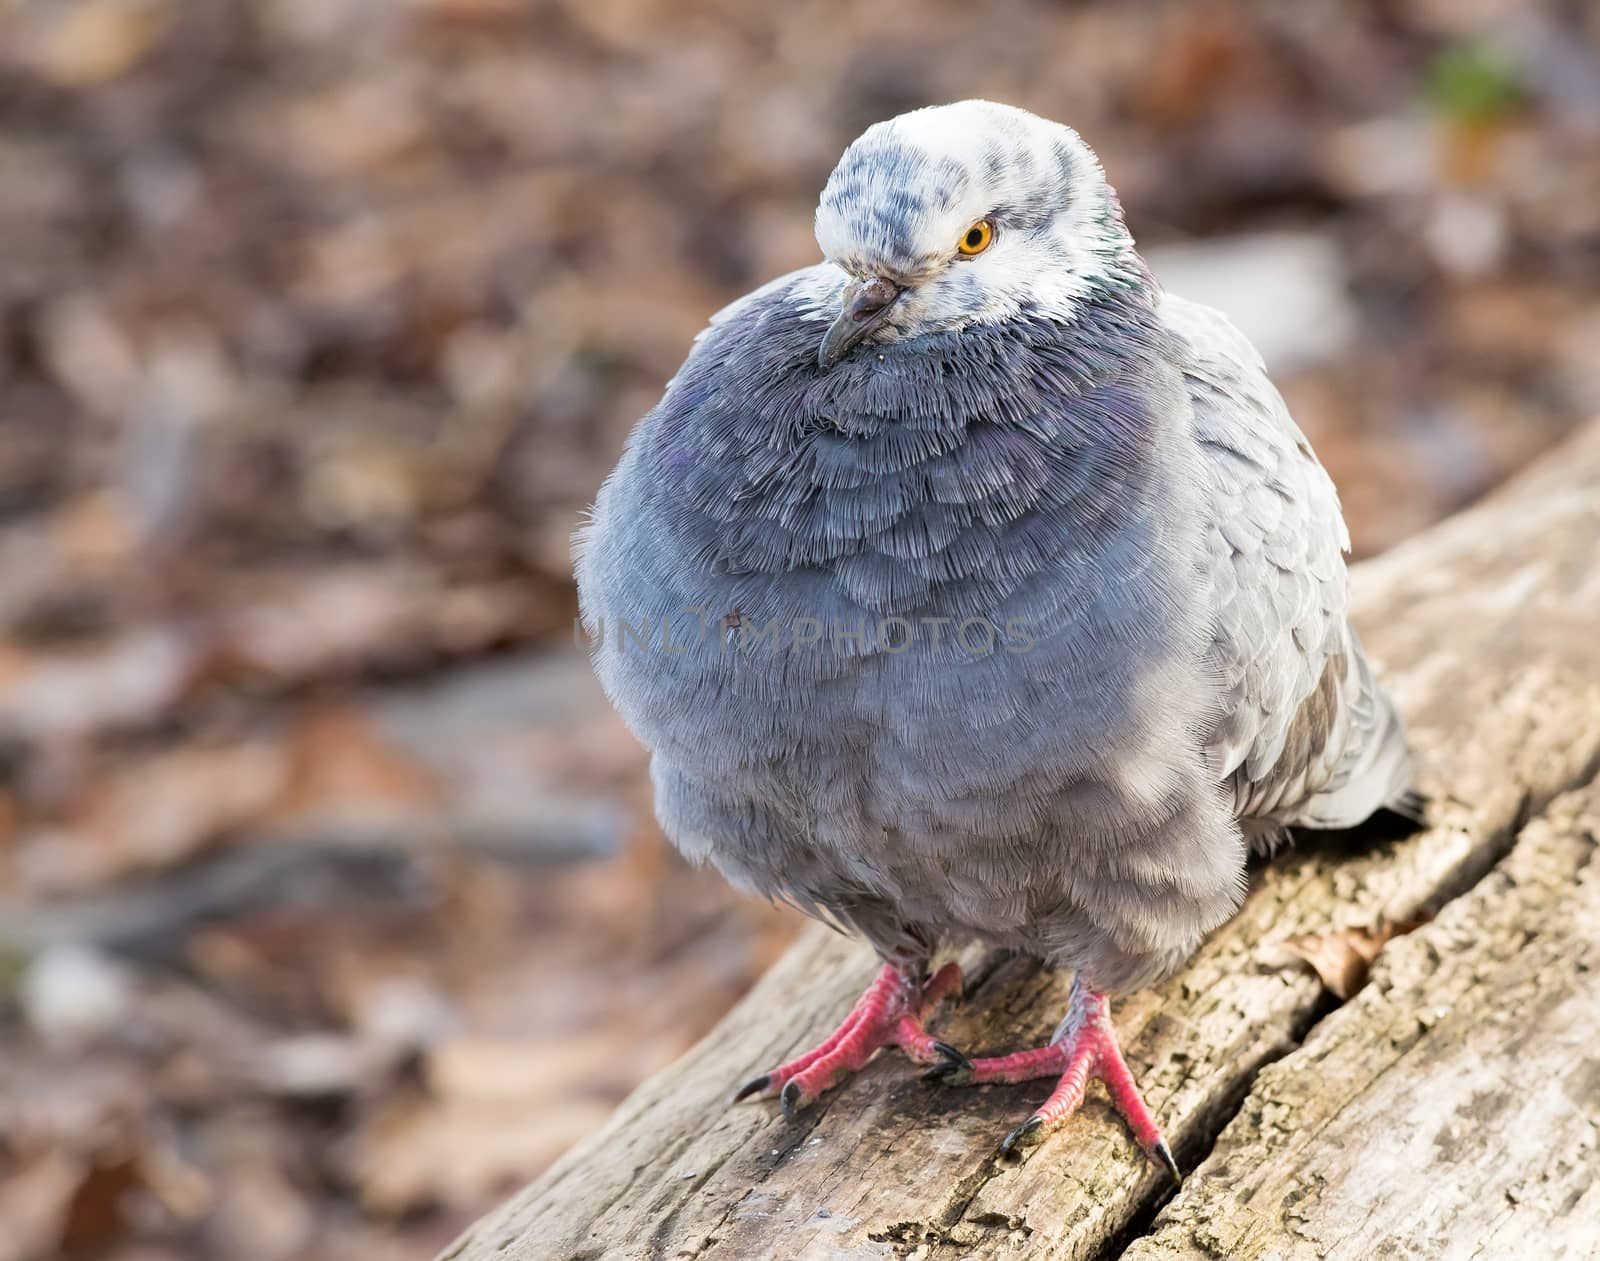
x,y
1375,770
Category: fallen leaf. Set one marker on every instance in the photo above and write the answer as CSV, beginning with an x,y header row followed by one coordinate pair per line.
x,y
534,1073
462,1153
100,40
343,768
261,1214
151,813
33,1204
1342,959
117,1188
98,1209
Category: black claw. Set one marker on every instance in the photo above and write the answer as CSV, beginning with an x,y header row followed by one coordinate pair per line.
x,y
789,1098
953,1055
953,1063
753,1087
1025,1135
1163,1153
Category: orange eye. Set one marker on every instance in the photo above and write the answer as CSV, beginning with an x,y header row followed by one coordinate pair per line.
x,y
977,238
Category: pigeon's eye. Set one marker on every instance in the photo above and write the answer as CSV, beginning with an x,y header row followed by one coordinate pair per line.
x,y
976,239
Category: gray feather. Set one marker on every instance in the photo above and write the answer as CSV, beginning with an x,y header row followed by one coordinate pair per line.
x,y
1308,738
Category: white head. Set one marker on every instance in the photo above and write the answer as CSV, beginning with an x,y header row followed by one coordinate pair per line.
x,y
967,213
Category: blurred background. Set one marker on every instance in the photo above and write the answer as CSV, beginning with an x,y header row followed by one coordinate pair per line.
x,y
330,904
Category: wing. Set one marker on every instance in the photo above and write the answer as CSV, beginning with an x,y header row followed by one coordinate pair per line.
x,y
1307,736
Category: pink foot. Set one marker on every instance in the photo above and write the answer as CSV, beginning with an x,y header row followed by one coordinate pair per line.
x,y
890,1013
1084,1046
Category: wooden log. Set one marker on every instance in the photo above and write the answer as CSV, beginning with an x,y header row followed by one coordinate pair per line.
x,y
1489,628
1452,1109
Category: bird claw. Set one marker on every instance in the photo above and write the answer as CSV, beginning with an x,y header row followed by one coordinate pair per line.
x,y
890,1013
953,1068
1162,1154
1028,1134
793,1099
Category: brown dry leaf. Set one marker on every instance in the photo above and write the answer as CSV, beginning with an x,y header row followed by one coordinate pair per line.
x,y
33,1203
1474,152
353,127
155,812
501,1109
98,40
460,1154
261,1215
16,662
342,767
97,1211
532,1073
109,1189
297,624
1342,959
1193,63
95,531
10,818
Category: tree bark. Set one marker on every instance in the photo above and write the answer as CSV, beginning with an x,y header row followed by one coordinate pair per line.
x,y
1450,1106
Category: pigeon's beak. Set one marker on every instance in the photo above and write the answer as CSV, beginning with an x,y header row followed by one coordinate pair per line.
x,y
866,305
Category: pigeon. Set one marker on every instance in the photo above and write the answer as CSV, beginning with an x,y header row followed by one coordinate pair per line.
x,y
966,587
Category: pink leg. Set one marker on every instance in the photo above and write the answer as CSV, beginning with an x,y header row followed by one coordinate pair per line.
x,y
890,1013
1084,1046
